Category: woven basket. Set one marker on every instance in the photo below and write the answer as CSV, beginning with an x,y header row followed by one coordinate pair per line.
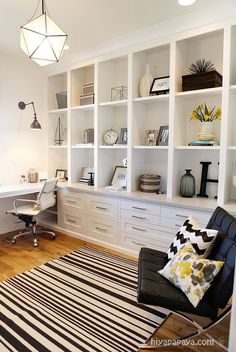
x,y
150,183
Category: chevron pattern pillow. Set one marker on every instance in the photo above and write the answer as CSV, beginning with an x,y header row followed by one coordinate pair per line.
x,y
201,239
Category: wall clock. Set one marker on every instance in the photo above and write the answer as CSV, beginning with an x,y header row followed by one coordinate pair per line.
x,y
110,137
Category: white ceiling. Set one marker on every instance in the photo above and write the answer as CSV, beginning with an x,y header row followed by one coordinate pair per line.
x,y
90,22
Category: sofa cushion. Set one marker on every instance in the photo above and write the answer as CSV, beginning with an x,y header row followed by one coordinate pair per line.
x,y
191,273
201,239
154,289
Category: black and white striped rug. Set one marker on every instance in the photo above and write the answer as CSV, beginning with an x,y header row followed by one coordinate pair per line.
x,y
84,301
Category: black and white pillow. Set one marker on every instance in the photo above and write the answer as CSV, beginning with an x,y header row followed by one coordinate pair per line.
x,y
201,239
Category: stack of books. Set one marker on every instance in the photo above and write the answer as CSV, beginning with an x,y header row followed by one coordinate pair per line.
x,y
203,143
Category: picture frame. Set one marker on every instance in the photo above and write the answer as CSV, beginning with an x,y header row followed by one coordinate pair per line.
x,y
151,137
160,85
119,177
123,136
61,174
163,136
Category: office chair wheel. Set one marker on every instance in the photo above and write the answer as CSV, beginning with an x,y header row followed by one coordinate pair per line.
x,y
53,237
13,241
35,243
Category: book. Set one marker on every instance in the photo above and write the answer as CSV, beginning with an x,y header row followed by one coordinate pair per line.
x,y
202,143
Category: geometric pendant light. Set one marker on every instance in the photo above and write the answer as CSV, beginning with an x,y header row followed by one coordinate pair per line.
x,y
42,40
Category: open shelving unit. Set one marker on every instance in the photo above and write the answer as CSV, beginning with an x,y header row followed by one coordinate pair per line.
x,y
139,114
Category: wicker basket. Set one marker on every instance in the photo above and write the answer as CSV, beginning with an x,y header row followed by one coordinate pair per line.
x,y
62,100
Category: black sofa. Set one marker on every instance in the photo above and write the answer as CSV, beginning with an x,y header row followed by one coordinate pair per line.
x,y
154,289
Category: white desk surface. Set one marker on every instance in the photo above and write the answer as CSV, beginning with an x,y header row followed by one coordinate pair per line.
x,y
19,189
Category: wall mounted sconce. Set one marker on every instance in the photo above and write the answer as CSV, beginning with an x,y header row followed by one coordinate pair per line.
x,y
35,125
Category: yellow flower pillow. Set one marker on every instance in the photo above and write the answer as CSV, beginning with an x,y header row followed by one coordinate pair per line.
x,y
191,273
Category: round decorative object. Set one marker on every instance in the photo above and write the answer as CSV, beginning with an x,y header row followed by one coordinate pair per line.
x,y
150,183
110,137
187,184
145,83
206,132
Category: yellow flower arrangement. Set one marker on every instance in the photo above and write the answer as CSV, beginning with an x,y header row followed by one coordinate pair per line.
x,y
204,114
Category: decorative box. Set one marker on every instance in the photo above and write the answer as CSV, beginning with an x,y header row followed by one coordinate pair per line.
x,y
202,80
86,99
62,100
150,183
119,93
88,88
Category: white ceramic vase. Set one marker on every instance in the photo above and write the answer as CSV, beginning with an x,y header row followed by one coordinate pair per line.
x,y
145,83
206,132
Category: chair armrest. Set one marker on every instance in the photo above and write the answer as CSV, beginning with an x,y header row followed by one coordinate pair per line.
x,y
23,201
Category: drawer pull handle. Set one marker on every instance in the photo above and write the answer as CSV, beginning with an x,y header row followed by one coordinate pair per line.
x,y
73,221
138,229
139,244
138,208
181,216
101,208
71,202
100,229
139,217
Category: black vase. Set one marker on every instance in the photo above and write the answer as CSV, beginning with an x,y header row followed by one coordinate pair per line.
x,y
187,184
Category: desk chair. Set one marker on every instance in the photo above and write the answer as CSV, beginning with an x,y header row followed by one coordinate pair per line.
x,y
27,209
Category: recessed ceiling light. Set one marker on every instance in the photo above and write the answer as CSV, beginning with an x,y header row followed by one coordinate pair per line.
x,y
66,47
186,2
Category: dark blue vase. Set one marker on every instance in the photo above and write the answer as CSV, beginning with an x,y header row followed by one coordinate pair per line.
x,y
187,184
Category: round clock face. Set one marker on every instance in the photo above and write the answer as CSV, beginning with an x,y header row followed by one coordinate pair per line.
x,y
110,137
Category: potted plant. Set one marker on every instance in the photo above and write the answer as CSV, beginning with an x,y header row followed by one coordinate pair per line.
x,y
206,116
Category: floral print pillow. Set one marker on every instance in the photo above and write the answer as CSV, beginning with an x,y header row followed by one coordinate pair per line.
x,y
191,273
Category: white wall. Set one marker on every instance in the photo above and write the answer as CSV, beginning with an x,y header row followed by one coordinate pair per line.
x,y
21,148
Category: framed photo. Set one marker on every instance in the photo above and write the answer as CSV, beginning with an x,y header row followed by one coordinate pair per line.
x,y
160,85
119,177
61,174
151,137
163,136
123,136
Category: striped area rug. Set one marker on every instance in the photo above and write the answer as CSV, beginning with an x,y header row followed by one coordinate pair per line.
x,y
83,301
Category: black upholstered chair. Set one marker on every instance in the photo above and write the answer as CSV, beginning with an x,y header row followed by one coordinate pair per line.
x,y
156,290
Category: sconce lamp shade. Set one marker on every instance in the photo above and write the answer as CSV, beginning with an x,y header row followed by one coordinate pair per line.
x,y
35,125
42,40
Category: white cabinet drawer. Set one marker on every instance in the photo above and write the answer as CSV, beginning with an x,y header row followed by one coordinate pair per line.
x,y
104,230
102,207
140,218
175,224
138,229
74,223
73,201
141,207
180,215
160,241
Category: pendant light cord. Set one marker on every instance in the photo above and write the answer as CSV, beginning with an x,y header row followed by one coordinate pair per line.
x,y
44,9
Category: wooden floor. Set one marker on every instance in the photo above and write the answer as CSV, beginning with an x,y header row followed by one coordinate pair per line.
x,y
22,256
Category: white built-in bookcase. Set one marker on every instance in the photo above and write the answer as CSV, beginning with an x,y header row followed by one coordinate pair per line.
x,y
138,114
